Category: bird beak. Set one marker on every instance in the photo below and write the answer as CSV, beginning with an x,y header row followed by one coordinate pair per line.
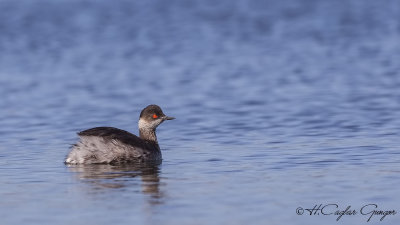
x,y
168,118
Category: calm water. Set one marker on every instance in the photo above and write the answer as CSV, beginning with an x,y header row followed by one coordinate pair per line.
x,y
279,105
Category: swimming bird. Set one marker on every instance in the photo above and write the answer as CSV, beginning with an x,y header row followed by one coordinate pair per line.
x,y
109,145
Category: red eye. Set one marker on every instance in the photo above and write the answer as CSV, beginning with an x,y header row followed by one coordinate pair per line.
x,y
155,116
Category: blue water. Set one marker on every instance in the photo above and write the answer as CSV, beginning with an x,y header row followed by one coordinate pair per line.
x,y
279,105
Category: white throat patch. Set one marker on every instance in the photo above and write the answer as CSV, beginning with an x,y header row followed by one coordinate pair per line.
x,y
144,124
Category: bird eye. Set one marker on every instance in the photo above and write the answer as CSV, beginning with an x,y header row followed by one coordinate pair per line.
x,y
155,116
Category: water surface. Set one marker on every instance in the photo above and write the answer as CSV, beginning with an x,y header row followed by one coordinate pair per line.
x,y
279,105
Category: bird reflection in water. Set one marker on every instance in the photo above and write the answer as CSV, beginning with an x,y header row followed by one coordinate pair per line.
x,y
105,177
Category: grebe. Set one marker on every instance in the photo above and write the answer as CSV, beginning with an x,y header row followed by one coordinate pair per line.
x,y
109,145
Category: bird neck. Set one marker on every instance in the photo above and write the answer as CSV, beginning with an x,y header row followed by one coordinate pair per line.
x,y
148,134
